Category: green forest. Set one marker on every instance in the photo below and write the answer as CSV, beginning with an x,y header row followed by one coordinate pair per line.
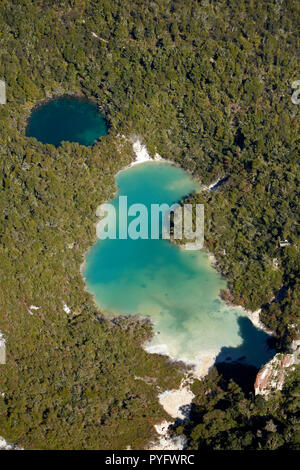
x,y
223,417
206,84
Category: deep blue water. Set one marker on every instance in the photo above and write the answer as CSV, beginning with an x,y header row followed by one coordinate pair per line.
x,y
67,119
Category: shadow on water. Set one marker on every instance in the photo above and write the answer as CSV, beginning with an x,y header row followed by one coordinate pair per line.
x,y
242,363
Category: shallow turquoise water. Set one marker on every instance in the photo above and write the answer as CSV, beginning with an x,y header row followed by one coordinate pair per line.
x,y
178,289
67,119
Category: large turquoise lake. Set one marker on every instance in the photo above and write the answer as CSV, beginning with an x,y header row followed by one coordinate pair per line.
x,y
179,290
67,119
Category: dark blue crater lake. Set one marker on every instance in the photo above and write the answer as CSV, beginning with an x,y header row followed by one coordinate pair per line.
x,y
67,119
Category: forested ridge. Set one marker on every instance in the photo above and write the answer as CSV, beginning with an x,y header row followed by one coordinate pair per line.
x,y
205,83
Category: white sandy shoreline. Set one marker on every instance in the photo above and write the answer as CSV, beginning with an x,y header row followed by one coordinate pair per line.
x,y
142,155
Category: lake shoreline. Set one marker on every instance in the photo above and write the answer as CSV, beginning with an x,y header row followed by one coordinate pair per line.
x,y
172,400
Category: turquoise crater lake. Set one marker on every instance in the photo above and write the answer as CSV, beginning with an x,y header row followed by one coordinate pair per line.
x,y
67,119
179,290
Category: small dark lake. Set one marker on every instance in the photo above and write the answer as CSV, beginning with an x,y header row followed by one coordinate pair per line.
x,y
67,119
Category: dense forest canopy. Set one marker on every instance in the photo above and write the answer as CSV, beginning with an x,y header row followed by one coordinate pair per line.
x,y
205,83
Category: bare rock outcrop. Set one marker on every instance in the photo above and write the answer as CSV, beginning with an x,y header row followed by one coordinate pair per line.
x,y
272,375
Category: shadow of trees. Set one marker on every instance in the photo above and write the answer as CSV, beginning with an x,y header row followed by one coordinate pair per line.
x,y
242,363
